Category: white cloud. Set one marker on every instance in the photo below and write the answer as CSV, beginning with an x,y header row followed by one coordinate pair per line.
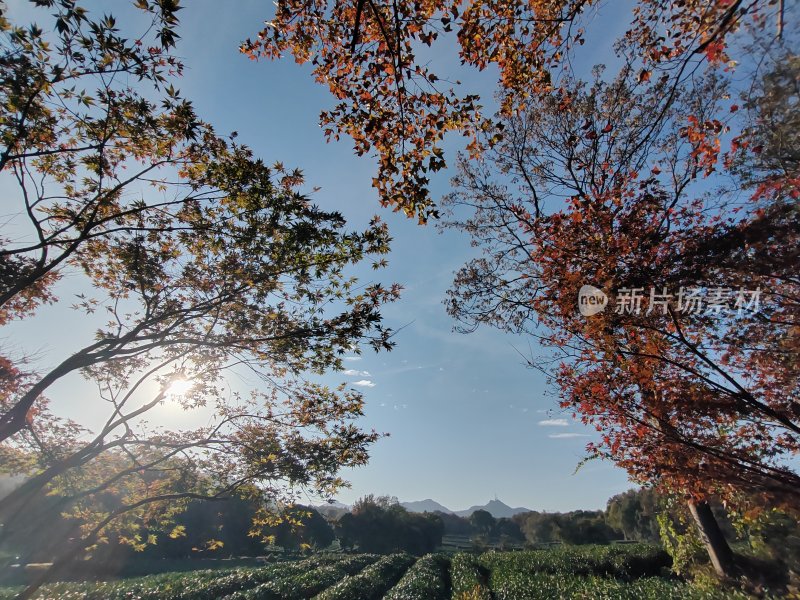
x,y
356,373
567,435
352,358
554,423
364,383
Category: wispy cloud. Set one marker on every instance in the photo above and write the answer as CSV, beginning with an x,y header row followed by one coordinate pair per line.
x,y
356,373
364,383
554,423
405,369
556,436
352,358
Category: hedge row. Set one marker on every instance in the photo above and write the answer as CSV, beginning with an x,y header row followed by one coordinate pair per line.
x,y
428,579
372,583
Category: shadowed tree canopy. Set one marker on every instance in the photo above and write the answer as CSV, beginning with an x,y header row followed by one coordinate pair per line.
x,y
380,524
482,521
575,527
302,528
634,514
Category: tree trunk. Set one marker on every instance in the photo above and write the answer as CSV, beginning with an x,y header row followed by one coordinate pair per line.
x,y
717,546
73,552
59,567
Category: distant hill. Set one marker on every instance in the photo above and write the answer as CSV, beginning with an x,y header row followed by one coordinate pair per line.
x,y
332,510
496,508
334,504
425,506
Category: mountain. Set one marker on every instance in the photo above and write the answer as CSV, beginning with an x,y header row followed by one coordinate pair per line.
x,y
496,508
427,505
334,504
332,510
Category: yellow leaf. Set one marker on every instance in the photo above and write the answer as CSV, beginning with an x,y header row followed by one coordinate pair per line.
x,y
177,532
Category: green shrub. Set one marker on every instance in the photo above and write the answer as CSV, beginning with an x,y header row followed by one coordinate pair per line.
x,y
164,586
546,586
243,580
372,583
469,578
624,562
8,593
590,572
599,572
197,585
306,584
428,579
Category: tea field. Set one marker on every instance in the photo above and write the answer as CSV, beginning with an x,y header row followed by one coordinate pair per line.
x,y
587,572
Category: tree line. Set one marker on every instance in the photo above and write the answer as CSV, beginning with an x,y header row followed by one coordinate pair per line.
x,y
379,524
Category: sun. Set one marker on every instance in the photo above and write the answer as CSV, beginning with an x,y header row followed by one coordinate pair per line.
x,y
179,386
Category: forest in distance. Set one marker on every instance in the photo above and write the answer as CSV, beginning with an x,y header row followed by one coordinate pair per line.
x,y
382,525
204,346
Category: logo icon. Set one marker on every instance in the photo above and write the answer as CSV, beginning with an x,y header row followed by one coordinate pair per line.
x,y
591,300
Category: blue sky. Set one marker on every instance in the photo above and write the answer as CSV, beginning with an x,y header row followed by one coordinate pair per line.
x,y
465,415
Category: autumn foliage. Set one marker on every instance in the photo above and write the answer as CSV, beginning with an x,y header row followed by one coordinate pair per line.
x,y
373,56
696,398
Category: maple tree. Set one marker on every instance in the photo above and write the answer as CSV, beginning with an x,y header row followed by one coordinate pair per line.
x,y
198,263
372,56
699,402
66,110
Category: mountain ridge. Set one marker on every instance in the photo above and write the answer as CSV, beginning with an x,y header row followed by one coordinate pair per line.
x,y
497,508
427,505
